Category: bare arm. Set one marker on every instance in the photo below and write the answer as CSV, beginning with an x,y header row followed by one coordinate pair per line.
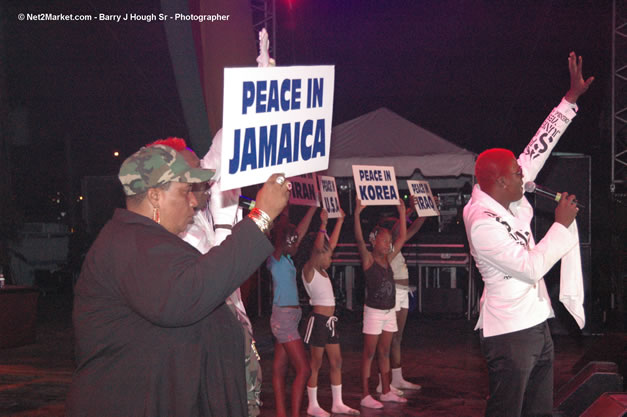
x,y
324,218
402,231
416,225
364,253
335,236
302,227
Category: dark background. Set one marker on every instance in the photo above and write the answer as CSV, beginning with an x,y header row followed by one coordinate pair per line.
x,y
480,74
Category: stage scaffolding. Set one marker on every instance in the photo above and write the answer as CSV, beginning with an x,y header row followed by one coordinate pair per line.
x,y
618,185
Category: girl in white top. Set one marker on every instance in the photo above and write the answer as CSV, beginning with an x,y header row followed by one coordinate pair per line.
x,y
321,334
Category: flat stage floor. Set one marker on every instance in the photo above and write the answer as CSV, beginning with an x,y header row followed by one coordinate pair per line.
x,y
440,353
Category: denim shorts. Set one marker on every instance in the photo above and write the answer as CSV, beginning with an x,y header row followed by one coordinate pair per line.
x,y
284,323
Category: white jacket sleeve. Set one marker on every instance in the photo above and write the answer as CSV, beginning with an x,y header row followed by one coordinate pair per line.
x,y
496,246
539,148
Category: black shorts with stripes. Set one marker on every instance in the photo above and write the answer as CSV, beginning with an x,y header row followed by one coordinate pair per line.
x,y
321,330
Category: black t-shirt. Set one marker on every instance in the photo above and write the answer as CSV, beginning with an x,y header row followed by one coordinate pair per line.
x,y
381,292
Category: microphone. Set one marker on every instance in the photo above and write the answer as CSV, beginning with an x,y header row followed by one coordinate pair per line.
x,y
532,187
245,202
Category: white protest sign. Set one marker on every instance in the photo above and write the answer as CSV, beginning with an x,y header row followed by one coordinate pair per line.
x,y
375,185
329,197
425,205
304,190
275,119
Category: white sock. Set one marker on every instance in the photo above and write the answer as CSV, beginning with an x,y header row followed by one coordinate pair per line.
x,y
338,405
397,377
393,388
399,382
313,408
336,392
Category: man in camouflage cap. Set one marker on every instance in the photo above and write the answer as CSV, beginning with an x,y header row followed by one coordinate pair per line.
x,y
153,334
155,166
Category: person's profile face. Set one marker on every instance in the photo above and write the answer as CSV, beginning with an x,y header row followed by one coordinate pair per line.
x,y
326,258
202,192
176,207
512,176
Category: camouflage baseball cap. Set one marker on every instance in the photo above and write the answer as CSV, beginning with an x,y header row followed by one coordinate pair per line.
x,y
157,165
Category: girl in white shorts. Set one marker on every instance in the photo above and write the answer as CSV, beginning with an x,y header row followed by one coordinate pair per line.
x,y
401,280
379,312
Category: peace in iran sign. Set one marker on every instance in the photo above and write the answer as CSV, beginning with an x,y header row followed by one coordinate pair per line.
x,y
275,119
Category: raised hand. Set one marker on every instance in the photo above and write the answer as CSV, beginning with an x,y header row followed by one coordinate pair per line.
x,y
401,207
264,60
358,206
324,217
577,84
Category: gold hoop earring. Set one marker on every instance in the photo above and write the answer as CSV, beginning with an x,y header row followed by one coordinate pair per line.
x,y
155,215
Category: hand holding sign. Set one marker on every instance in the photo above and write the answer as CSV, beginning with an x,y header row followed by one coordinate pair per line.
x,y
401,208
273,196
358,206
423,201
324,219
329,197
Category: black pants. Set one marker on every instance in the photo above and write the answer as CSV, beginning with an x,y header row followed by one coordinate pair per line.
x,y
520,366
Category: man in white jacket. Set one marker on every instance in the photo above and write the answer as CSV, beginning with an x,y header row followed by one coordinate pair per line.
x,y
515,305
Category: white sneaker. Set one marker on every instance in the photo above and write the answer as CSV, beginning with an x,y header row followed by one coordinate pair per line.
x,y
392,389
390,397
370,402
407,385
317,411
344,409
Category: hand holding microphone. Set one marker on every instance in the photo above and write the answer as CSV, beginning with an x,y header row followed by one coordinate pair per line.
x,y
567,207
566,210
531,187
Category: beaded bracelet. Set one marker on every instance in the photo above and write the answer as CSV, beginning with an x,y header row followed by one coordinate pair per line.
x,y
261,219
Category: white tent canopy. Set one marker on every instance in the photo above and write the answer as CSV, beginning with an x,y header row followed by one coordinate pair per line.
x,y
384,138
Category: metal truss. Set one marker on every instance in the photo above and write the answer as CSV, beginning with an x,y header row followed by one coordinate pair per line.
x,y
618,186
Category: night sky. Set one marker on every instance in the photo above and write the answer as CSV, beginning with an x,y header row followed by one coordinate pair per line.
x,y
478,73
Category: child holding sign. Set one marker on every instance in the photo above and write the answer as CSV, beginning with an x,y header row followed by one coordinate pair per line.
x,y
379,314
401,279
286,313
321,334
